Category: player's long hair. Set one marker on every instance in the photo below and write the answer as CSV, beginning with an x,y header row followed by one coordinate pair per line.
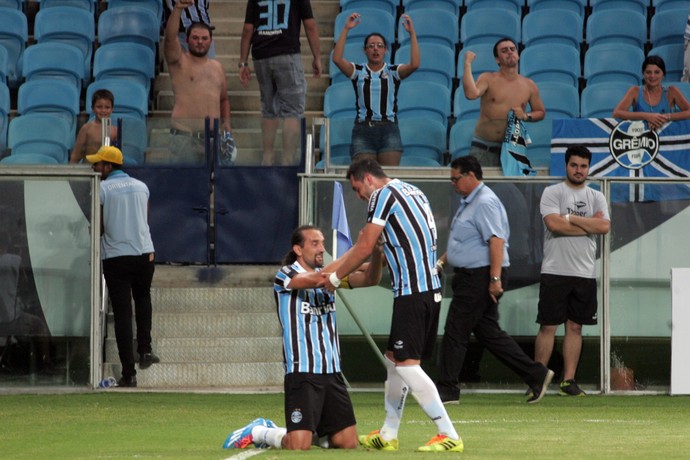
x,y
297,238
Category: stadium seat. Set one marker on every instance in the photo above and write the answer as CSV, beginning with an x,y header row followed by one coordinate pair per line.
x,y
450,6
539,150
578,6
411,160
423,138
551,26
4,115
431,26
389,6
134,139
437,63
483,62
129,23
67,24
372,20
89,5
54,60
665,5
132,61
554,62
14,4
40,133
14,33
339,101
131,99
616,26
599,100
513,5
55,97
155,6
613,62
420,99
340,139
639,6
561,100
460,139
668,26
354,52
29,159
4,65
463,108
486,25
673,58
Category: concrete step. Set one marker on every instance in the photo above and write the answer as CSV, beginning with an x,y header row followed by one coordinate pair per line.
x,y
163,83
244,101
230,46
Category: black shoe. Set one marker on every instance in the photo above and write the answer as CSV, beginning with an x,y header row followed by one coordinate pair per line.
x,y
449,397
570,388
538,392
147,359
127,382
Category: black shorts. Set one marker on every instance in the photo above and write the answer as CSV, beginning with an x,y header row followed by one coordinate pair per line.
x,y
564,298
318,403
414,326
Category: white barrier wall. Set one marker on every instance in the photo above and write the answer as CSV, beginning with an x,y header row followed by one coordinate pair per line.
x,y
680,338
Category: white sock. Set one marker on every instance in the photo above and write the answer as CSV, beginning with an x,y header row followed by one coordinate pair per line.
x,y
271,436
426,394
395,393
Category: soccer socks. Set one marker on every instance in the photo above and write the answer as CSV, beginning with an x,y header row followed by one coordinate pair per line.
x,y
271,436
426,394
395,393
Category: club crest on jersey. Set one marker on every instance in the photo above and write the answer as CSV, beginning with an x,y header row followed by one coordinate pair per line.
x,y
296,416
633,145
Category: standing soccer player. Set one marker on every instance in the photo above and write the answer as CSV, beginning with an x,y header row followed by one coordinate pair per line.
x,y
401,213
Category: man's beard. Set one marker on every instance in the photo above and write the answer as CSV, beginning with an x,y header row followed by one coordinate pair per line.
x,y
195,53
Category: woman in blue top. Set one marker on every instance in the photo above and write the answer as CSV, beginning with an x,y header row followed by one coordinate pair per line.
x,y
375,133
652,102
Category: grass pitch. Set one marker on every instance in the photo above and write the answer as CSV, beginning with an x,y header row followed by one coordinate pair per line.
x,y
132,424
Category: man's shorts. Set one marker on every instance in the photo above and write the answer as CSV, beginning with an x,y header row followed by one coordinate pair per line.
x,y
186,148
318,403
283,86
375,137
415,325
564,298
486,152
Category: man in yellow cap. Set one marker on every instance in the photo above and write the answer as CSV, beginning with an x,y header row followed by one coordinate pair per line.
x,y
128,258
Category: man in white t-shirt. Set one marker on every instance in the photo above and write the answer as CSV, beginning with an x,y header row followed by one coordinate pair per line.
x,y
574,215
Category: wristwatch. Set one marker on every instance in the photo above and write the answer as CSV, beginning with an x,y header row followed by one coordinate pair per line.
x,y
495,279
242,64
529,117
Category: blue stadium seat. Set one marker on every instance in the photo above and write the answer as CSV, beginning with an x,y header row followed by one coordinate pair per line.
x,y
450,6
90,5
431,26
14,33
134,138
552,26
599,100
684,88
460,139
665,5
67,24
129,23
339,101
29,159
423,138
155,6
389,6
54,60
132,61
613,62
578,6
561,100
14,4
672,55
486,25
639,6
463,108
340,138
484,62
354,52
4,64
55,97
131,99
4,115
420,99
513,5
667,26
418,162
616,26
437,63
539,150
372,20
554,62
40,133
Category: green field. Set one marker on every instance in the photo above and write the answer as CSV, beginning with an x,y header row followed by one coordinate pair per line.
x,y
134,424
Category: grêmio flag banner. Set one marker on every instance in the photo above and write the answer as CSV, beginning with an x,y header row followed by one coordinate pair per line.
x,y
628,149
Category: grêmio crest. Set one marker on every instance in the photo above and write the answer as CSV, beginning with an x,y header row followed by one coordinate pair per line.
x,y
633,145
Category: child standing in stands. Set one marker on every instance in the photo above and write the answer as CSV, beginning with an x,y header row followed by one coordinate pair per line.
x,y
89,139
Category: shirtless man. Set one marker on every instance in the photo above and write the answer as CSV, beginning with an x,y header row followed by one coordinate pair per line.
x,y
199,85
500,92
